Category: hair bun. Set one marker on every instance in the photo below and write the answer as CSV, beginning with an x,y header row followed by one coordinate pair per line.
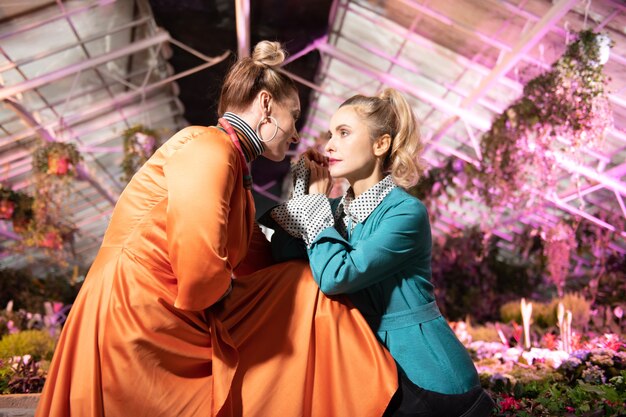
x,y
388,94
268,54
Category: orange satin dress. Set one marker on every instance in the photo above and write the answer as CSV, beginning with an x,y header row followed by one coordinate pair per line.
x,y
148,335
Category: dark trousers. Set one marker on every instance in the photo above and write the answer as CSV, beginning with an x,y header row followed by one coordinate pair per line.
x,y
413,401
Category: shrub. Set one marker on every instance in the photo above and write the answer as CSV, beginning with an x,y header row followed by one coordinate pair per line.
x,y
578,305
543,316
36,343
511,311
486,333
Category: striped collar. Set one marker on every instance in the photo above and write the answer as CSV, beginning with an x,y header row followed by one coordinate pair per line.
x,y
251,144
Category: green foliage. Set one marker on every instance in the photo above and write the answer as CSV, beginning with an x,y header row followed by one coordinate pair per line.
x,y
6,372
23,206
7,193
611,289
440,182
21,376
548,397
30,292
472,277
37,343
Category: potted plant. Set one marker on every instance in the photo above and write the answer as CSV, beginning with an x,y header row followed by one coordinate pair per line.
x,y
56,159
20,207
8,199
140,143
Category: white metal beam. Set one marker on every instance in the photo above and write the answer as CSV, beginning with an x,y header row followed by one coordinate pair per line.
x,y
118,101
388,79
10,91
50,52
526,43
475,66
242,15
34,25
439,103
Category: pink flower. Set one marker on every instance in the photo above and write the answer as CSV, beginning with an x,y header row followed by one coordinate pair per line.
x,y
51,240
6,209
549,340
509,403
12,327
569,409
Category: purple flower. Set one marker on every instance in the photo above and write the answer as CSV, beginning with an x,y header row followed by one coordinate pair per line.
x,y
582,354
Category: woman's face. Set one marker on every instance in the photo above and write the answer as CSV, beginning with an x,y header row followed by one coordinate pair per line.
x,y
350,149
286,115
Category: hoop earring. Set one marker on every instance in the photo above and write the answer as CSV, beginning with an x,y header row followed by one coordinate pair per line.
x,y
258,126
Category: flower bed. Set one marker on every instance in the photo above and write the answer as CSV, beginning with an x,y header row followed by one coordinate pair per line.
x,y
591,381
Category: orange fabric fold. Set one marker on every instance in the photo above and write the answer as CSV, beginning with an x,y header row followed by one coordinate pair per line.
x,y
302,353
275,346
225,360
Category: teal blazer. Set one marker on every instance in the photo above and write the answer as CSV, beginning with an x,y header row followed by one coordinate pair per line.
x,y
384,267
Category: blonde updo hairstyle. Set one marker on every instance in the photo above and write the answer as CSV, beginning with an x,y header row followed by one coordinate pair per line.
x,y
252,74
390,113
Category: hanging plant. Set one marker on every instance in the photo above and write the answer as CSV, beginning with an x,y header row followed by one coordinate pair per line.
x,y
443,185
50,226
23,212
439,180
594,243
17,207
560,240
56,159
8,199
561,110
139,145
55,166
48,235
49,232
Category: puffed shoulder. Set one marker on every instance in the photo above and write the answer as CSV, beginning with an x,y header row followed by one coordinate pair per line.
x,y
207,138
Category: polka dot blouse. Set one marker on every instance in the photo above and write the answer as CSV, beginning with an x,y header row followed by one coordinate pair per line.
x,y
306,215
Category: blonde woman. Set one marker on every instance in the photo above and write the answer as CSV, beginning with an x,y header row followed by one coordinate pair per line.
x,y
374,244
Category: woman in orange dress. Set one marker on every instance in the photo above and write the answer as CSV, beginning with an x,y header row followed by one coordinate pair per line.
x,y
176,316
